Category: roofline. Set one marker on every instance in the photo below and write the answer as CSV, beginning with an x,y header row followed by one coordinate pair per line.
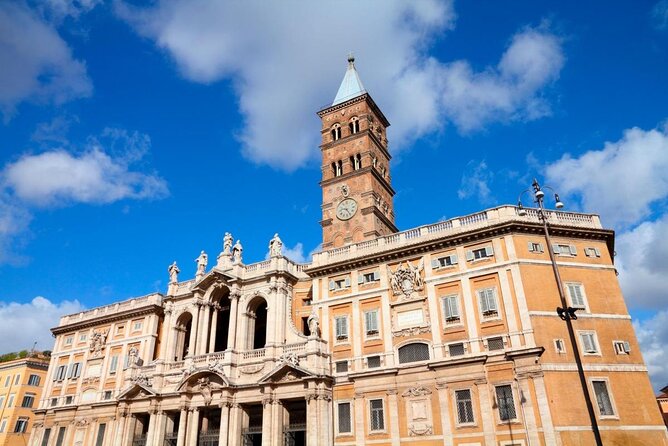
x,y
364,96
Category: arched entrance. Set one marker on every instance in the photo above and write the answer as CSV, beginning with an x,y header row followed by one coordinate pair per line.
x,y
183,329
257,323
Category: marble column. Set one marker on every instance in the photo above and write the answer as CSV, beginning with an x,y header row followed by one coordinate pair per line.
x,y
277,421
193,426
359,415
266,421
131,424
394,416
312,419
224,423
232,329
183,424
214,327
192,349
444,408
527,410
235,425
158,438
487,413
203,342
152,419
325,419
165,337
120,430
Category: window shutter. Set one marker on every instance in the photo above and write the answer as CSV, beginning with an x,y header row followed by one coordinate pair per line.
x,y
446,308
469,255
70,369
376,275
360,279
540,247
489,251
531,247
331,285
483,301
491,300
435,264
338,326
573,250
589,344
627,347
555,249
453,259
597,252
347,282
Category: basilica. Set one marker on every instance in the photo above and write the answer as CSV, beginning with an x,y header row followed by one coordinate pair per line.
x,y
445,334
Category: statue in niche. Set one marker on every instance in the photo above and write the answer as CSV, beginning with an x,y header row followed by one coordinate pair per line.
x,y
227,243
173,273
237,250
313,322
275,246
407,279
202,261
97,342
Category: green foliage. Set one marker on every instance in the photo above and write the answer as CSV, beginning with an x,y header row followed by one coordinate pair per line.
x,y
23,354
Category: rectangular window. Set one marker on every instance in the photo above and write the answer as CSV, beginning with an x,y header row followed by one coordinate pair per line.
x,y
69,340
488,307
60,373
535,247
83,337
622,347
495,343
54,402
33,380
592,252
456,349
10,400
120,329
2,401
341,366
564,250
368,278
113,364
45,437
443,262
339,284
373,362
451,309
341,328
603,398
377,416
3,424
345,422
480,253
559,346
8,380
75,370
464,406
589,344
100,434
17,379
21,425
576,295
504,399
61,436
28,400
69,399
107,395
371,322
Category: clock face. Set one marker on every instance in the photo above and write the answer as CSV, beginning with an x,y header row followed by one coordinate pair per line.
x,y
346,209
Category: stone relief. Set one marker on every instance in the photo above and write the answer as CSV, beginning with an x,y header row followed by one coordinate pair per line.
x,y
252,369
407,280
411,331
142,379
204,387
216,367
188,370
290,358
419,429
416,391
97,342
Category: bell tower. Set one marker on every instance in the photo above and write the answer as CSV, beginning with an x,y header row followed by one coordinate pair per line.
x,y
356,187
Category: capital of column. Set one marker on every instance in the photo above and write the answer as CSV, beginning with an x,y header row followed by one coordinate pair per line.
x,y
441,385
235,294
310,396
392,391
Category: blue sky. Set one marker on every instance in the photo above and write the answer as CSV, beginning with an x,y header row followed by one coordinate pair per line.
x,y
134,135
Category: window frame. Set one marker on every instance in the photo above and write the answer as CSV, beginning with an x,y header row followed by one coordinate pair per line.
x,y
613,406
463,344
340,339
562,350
134,326
25,421
459,423
383,429
419,361
625,347
501,420
472,254
3,424
446,261
113,364
504,343
10,400
592,333
32,400
380,361
372,276
535,247
351,407
557,249
452,320
336,366
68,340
585,303
38,379
491,316
371,334
592,252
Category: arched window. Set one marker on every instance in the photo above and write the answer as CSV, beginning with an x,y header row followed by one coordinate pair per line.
x,y
336,132
414,352
219,322
339,168
183,329
354,125
257,323
358,161
334,169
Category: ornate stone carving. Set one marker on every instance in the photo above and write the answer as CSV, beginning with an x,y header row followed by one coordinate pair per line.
x,y
290,358
97,342
173,273
227,243
407,280
289,376
142,379
237,251
188,370
133,355
419,429
313,322
82,422
416,391
251,369
90,380
201,261
216,367
411,331
275,246
204,387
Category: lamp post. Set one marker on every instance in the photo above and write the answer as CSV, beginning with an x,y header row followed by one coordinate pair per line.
x,y
565,312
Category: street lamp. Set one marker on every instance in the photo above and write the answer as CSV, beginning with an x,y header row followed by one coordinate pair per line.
x,y
565,312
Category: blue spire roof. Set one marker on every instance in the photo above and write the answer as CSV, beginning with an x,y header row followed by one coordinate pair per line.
x,y
351,86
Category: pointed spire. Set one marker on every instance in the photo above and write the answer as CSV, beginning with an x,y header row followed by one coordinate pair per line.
x,y
351,86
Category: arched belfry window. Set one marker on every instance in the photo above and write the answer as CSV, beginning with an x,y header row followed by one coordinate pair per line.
x,y
183,329
336,132
414,352
354,125
356,162
339,168
257,323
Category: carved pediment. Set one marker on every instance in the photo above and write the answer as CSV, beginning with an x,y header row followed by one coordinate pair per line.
x,y
212,279
137,390
214,377
285,372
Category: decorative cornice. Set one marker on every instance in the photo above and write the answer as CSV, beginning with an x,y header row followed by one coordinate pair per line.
x,y
107,318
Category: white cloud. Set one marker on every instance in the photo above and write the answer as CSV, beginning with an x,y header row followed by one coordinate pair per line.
x,y
59,177
621,181
286,59
509,91
24,324
59,9
642,263
660,15
37,64
652,335
475,181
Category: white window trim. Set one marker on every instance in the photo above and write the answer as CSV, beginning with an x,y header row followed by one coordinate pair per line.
x,y
626,347
338,341
473,394
516,399
368,405
484,318
460,321
366,361
372,336
592,252
351,403
134,326
582,346
464,343
489,253
438,266
563,344
361,277
530,247
504,339
615,415
584,296
572,249
68,340
348,363
3,424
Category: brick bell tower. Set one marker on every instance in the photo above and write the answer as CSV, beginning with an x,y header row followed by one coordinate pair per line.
x,y
356,187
